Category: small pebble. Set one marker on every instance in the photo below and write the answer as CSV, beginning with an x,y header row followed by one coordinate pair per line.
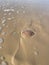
x,y
4,63
3,17
23,12
0,29
9,13
14,33
17,12
3,33
1,40
5,14
9,18
22,7
1,47
7,26
4,21
3,24
36,53
2,57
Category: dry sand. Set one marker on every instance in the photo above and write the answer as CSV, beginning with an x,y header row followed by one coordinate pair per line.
x,y
24,32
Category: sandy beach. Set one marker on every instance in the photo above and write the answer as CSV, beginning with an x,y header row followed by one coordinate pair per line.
x,y
24,32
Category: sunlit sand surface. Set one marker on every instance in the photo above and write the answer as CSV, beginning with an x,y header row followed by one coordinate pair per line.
x,y
24,32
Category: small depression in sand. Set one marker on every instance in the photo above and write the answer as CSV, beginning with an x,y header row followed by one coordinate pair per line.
x,y
27,33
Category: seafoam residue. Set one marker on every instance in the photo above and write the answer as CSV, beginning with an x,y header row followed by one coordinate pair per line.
x,y
7,10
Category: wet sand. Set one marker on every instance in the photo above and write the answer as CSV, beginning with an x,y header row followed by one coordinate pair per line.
x,y
24,32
